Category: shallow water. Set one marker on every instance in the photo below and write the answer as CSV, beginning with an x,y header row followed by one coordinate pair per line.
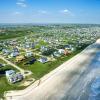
x,y
95,85
95,89
91,77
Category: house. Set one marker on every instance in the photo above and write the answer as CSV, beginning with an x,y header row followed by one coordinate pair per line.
x,y
43,60
13,77
70,48
33,45
15,50
43,48
20,58
73,49
5,51
28,54
14,54
27,46
32,61
61,51
9,73
56,54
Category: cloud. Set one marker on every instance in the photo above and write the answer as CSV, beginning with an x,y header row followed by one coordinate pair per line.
x,y
21,4
66,12
42,12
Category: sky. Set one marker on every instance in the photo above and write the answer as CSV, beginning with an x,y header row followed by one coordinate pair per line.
x,y
50,11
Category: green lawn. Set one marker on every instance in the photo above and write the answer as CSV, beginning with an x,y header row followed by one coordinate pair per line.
x,y
39,69
5,86
13,34
43,43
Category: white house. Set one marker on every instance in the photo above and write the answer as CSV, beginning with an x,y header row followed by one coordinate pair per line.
x,y
6,52
43,60
13,77
43,48
28,54
9,73
14,54
61,51
56,54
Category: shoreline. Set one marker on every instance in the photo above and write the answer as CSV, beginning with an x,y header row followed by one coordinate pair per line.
x,y
43,79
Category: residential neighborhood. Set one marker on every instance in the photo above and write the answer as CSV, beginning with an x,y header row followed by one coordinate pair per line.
x,y
49,49
40,51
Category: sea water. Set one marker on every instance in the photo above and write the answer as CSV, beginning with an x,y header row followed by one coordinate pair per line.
x,y
95,90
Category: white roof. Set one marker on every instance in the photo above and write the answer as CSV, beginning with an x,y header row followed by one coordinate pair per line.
x,y
9,72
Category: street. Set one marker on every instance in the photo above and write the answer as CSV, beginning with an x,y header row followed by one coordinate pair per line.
x,y
15,66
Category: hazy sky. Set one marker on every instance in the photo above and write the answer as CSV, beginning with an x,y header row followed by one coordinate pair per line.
x,y
49,11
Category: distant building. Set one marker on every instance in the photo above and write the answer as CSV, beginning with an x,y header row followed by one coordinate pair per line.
x,y
29,45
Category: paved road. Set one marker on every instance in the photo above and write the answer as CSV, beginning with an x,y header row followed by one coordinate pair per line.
x,y
10,63
15,66
68,82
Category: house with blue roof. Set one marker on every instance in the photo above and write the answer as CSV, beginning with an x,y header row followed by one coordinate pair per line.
x,y
13,77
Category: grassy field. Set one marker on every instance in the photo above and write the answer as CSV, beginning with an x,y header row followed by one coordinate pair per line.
x,y
8,34
39,69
